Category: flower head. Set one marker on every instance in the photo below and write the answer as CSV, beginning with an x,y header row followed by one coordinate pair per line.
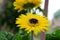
x,y
32,22
26,4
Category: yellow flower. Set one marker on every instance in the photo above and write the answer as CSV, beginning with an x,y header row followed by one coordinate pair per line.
x,y
26,4
32,22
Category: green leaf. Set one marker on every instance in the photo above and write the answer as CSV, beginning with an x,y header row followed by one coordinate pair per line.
x,y
17,37
54,36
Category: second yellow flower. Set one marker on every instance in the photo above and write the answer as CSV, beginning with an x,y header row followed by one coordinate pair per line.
x,y
26,4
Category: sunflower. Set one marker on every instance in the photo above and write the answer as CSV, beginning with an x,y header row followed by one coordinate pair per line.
x,y
26,4
32,22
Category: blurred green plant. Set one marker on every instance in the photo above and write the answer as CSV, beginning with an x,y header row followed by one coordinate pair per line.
x,y
54,36
5,35
21,36
11,36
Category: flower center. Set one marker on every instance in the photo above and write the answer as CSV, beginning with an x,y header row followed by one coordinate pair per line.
x,y
28,5
33,21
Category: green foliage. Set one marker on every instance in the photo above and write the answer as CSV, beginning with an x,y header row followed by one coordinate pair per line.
x,y
21,37
11,36
54,36
17,37
5,35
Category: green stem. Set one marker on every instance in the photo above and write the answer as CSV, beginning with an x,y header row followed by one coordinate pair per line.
x,y
32,35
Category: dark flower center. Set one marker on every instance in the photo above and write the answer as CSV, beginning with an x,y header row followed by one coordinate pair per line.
x,y
28,5
33,21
